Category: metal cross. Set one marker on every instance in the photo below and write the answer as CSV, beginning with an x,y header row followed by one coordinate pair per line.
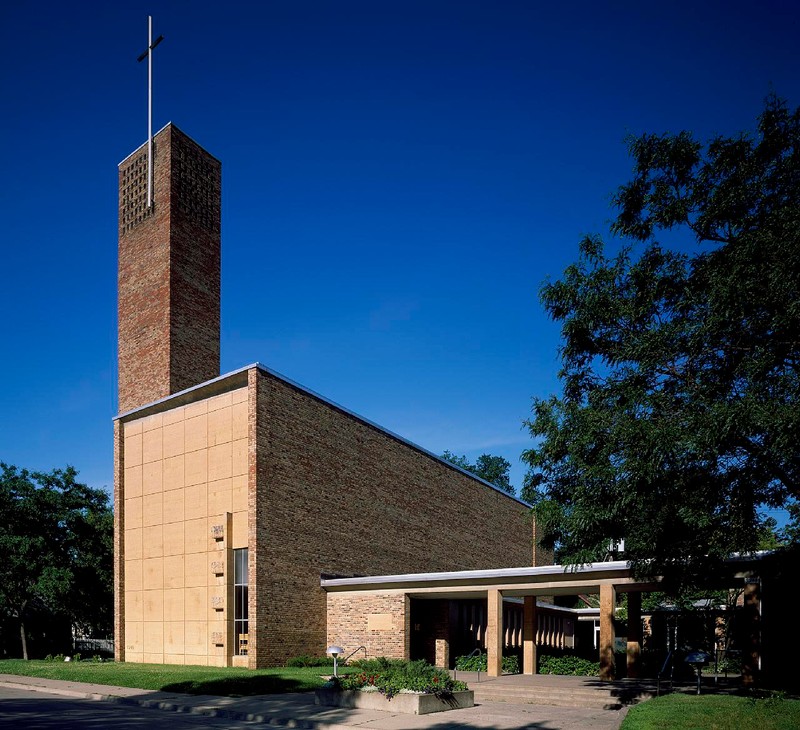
x,y
148,54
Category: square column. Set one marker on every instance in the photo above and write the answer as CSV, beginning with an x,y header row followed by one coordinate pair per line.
x,y
529,636
608,602
494,633
634,649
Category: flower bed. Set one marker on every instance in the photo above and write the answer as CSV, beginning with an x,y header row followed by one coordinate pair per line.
x,y
396,686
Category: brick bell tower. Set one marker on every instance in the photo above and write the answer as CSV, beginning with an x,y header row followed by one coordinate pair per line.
x,y
169,270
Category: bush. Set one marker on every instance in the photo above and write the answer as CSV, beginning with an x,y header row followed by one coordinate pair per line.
x,y
390,676
568,664
378,664
478,663
310,661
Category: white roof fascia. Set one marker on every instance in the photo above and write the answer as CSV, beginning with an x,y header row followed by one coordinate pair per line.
x,y
616,566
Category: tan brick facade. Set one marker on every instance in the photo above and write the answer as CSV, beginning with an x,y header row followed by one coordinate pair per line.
x,y
169,271
184,498
310,490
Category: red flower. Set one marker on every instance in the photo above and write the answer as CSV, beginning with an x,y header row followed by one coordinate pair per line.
x,y
436,679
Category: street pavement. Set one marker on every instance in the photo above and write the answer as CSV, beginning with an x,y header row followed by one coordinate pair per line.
x,y
31,702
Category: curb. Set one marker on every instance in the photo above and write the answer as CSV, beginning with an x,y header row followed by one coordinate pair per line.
x,y
165,705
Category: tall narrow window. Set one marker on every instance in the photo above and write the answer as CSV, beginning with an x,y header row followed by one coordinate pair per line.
x,y
240,612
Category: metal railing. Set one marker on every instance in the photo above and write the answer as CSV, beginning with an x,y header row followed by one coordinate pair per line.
x,y
347,658
668,663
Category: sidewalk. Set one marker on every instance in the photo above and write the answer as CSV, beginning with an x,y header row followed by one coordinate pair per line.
x,y
297,710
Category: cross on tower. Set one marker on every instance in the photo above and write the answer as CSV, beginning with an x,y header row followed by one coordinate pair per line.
x,y
148,54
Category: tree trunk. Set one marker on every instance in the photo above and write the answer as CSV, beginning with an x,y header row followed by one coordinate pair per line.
x,y
24,640
22,630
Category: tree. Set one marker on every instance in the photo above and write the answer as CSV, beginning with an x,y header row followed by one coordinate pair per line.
x,y
56,542
680,410
493,469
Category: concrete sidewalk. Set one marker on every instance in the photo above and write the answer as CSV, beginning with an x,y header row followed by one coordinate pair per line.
x,y
297,710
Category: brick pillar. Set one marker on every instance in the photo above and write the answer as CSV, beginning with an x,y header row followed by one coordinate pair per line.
x,y
494,633
529,636
406,627
751,616
441,634
608,602
634,649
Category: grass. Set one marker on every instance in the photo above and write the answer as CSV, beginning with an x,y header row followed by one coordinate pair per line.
x,y
713,712
230,681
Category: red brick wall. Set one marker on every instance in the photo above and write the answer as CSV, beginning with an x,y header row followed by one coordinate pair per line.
x,y
338,496
169,271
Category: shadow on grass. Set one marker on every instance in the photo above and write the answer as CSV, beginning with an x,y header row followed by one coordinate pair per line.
x,y
239,686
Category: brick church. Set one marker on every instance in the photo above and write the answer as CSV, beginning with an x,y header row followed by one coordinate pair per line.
x,y
241,498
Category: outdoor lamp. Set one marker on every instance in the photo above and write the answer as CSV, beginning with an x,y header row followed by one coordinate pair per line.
x,y
334,651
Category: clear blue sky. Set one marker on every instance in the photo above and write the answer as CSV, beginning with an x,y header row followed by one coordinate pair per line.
x,y
399,177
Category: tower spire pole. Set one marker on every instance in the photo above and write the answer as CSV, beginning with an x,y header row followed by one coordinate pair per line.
x,y
148,54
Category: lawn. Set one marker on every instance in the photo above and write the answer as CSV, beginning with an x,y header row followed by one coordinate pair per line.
x,y
713,712
176,678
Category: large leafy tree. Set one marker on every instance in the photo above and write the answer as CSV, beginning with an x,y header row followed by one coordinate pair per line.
x,y
56,543
679,418
493,469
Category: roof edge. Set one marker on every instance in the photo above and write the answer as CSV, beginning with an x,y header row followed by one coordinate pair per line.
x,y
386,431
294,384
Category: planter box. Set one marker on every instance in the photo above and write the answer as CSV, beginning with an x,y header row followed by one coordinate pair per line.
x,y
406,704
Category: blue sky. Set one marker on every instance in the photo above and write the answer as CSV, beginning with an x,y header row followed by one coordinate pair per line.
x,y
398,180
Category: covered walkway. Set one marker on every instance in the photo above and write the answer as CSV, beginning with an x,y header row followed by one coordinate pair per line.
x,y
361,608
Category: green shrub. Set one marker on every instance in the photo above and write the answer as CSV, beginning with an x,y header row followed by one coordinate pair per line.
x,y
390,676
477,663
310,661
511,664
378,664
568,664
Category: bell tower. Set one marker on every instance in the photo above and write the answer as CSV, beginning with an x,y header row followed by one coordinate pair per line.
x,y
169,270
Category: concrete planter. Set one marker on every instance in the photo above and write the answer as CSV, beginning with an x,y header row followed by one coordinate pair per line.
x,y
406,704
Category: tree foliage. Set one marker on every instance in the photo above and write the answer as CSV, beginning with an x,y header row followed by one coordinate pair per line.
x,y
493,469
56,542
680,411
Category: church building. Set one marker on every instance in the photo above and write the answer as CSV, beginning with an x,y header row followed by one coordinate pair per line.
x,y
242,498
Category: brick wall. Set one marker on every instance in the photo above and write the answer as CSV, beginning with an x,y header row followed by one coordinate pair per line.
x,y
169,270
336,495
379,622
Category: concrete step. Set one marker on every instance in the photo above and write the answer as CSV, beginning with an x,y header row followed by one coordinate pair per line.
x,y
601,697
